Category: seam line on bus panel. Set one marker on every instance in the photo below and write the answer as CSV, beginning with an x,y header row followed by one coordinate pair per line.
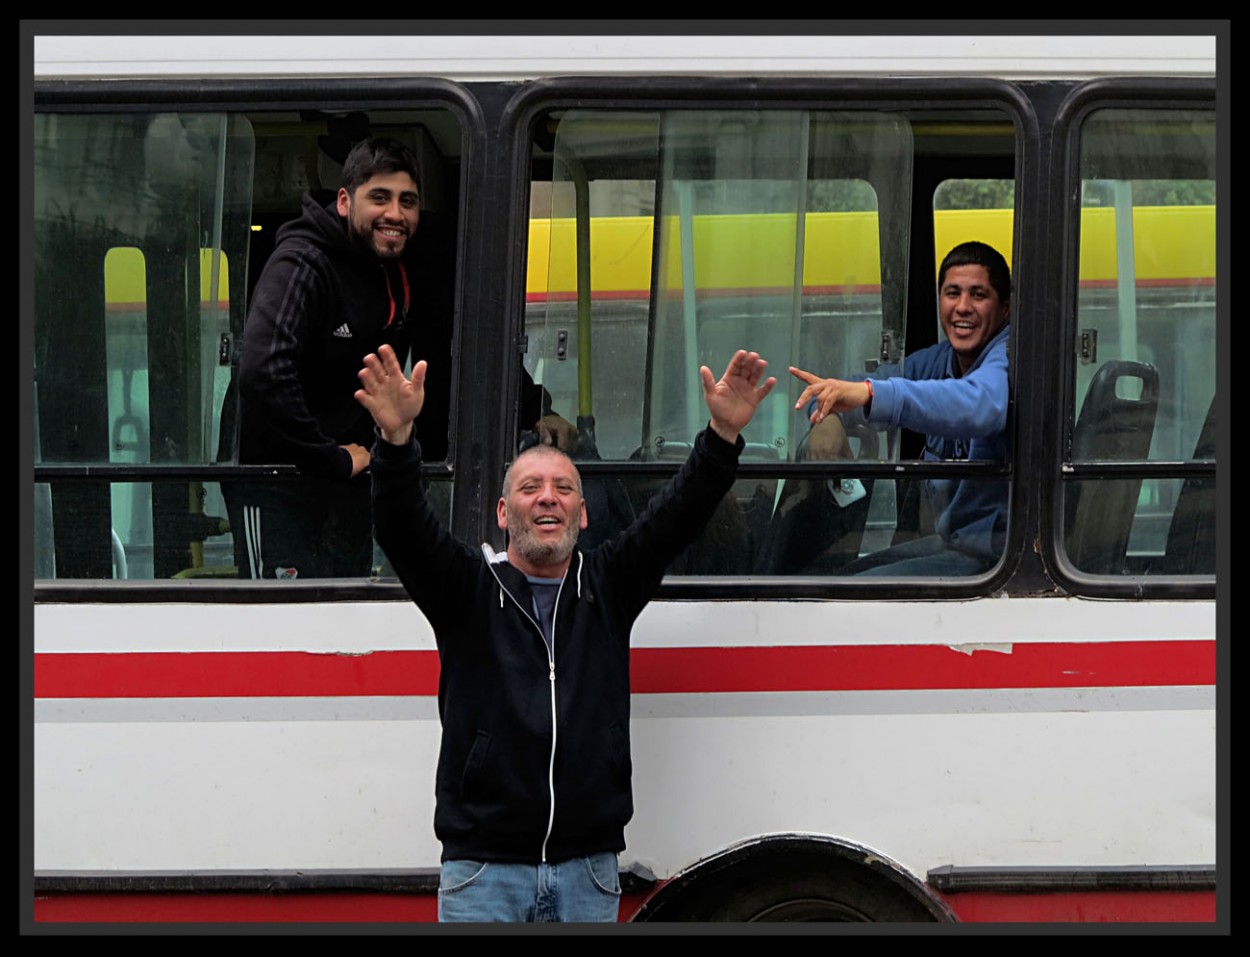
x,y
735,704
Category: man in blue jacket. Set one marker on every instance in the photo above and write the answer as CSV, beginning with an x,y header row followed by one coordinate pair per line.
x,y
533,784
954,392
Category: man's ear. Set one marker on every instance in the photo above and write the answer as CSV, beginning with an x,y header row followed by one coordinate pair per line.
x,y
501,514
585,520
344,202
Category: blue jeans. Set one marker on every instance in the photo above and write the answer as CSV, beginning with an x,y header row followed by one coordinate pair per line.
x,y
584,889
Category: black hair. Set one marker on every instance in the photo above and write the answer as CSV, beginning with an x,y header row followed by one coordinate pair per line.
x,y
974,253
376,155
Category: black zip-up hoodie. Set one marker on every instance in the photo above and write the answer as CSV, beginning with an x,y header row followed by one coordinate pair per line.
x,y
512,784
322,304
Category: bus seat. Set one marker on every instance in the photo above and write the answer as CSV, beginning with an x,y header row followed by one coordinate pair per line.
x,y
1111,427
810,532
728,542
1190,548
913,513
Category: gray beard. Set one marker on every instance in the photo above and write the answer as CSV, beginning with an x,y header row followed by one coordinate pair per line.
x,y
522,539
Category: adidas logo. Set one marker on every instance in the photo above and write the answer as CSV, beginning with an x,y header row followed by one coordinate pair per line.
x,y
342,332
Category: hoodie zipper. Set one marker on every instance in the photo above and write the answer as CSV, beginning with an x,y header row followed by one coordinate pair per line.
x,y
551,679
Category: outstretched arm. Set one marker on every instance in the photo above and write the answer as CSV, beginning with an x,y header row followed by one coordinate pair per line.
x,y
732,400
392,398
831,395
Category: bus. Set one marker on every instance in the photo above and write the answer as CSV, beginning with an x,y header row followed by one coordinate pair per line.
x,y
1034,743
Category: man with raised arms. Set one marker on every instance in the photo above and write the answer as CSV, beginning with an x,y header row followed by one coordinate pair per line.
x,y
533,782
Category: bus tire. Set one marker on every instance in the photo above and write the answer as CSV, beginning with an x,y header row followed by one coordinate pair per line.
x,y
795,880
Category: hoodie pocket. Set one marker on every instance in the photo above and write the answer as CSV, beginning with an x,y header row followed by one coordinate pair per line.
x,y
620,764
472,778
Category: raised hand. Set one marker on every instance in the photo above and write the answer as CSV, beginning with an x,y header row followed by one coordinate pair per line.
x,y
831,395
393,399
733,399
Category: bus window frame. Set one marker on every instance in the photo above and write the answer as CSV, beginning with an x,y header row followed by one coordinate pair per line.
x,y
234,97
489,316
1059,469
529,106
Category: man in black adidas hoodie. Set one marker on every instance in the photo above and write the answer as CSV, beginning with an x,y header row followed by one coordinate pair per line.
x,y
337,287
533,784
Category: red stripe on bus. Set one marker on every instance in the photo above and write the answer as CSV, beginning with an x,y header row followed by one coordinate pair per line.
x,y
655,670
925,667
310,907
235,674
1085,906
200,907
365,906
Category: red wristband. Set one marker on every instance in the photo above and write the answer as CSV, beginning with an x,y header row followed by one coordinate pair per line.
x,y
868,382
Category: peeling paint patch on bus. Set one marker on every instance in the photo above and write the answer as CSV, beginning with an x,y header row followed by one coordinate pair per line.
x,y
1003,647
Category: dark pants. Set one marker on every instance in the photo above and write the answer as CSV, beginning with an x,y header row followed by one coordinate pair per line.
x,y
309,528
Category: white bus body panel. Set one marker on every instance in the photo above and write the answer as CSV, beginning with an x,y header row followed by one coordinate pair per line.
x,y
1097,776
469,58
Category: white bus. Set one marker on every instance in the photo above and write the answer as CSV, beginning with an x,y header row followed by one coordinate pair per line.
x,y
1036,742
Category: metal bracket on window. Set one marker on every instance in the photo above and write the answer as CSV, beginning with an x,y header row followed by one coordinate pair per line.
x,y
1087,348
223,350
522,344
562,344
885,355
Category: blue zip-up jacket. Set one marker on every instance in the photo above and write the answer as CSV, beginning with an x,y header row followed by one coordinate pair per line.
x,y
963,418
534,763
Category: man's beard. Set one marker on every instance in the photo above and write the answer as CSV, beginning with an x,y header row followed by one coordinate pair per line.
x,y
364,238
522,538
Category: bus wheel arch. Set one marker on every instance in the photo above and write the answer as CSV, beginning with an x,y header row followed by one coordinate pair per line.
x,y
795,877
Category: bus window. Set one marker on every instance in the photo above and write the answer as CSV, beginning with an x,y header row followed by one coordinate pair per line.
x,y
140,234
661,241
151,230
1144,383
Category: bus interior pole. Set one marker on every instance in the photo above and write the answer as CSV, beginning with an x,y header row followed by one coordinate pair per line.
x,y
587,445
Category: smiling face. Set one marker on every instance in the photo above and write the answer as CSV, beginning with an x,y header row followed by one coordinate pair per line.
x,y
381,213
971,310
542,510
